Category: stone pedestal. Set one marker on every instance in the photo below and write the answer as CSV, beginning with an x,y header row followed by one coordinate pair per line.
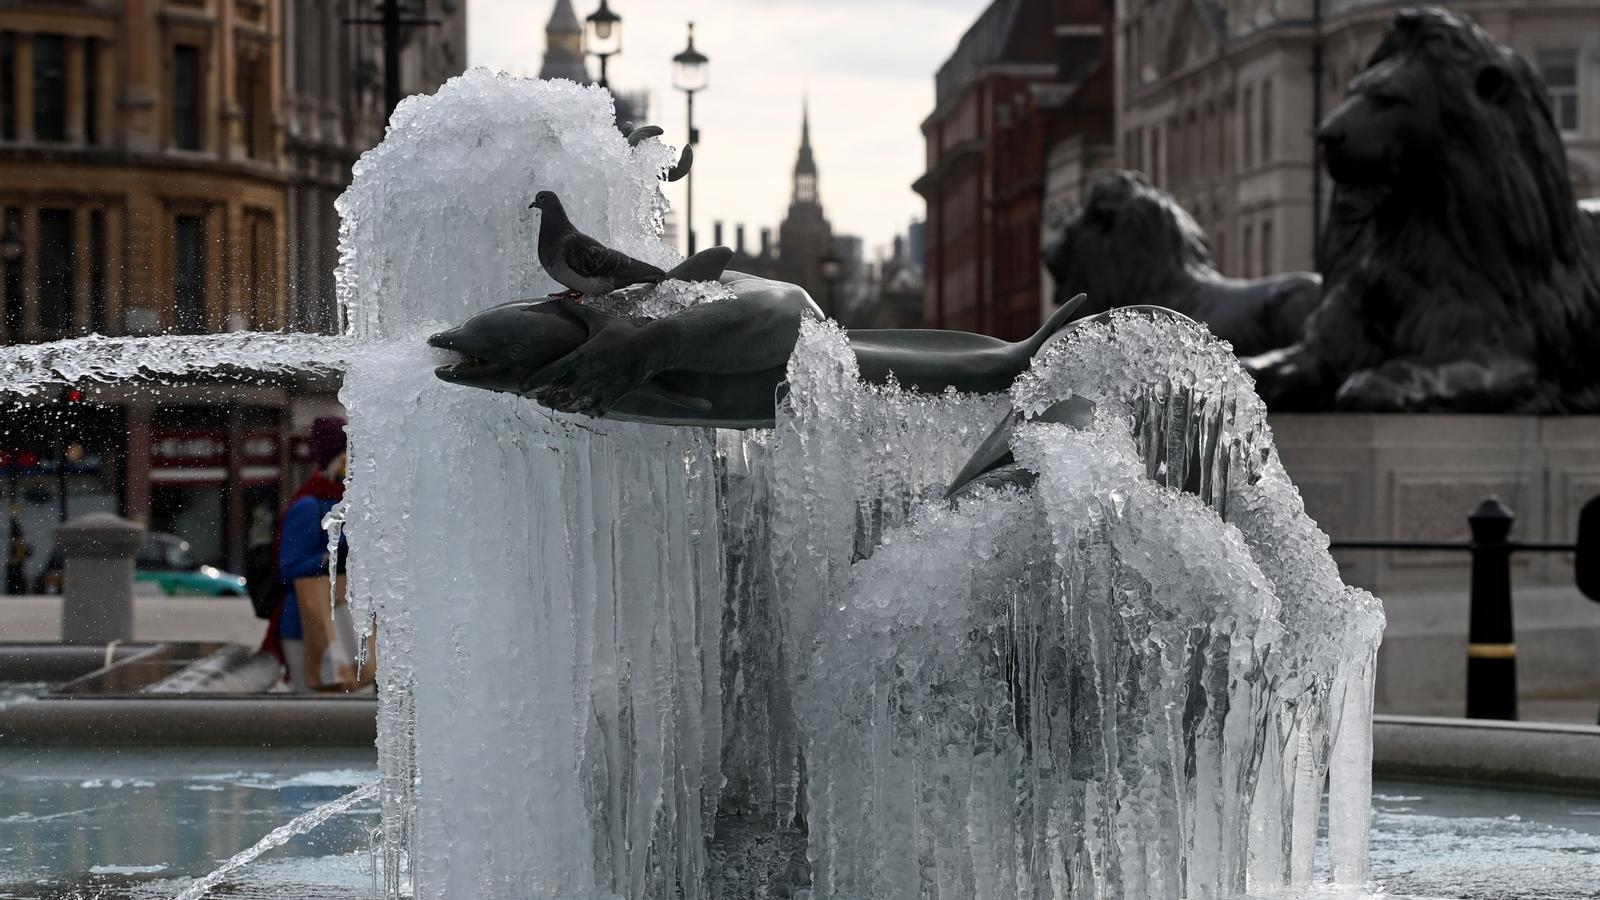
x,y
1416,477
97,552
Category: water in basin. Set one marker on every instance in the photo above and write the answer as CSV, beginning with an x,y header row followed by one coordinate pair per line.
x,y
147,823
95,824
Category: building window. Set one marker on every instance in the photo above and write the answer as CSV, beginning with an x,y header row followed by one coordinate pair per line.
x,y
49,87
1247,133
1196,165
1247,268
186,97
1266,122
1559,69
55,269
1266,247
249,76
188,287
1133,55
1156,157
98,320
8,85
1219,142
91,91
262,286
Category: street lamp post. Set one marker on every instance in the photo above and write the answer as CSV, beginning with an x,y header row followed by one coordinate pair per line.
x,y
832,271
602,36
691,72
392,19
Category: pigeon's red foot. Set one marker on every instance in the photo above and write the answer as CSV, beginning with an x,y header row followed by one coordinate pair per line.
x,y
574,296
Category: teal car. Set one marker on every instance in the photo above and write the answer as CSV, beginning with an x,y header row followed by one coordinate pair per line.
x,y
165,561
164,565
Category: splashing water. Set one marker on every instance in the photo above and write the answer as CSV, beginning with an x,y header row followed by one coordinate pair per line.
x,y
277,838
547,587
25,368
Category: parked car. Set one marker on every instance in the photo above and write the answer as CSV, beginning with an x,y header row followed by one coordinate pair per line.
x,y
165,564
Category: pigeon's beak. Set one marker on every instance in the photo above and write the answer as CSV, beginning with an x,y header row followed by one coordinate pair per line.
x,y
533,204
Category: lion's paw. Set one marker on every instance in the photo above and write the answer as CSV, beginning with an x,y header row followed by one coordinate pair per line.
x,y
1371,390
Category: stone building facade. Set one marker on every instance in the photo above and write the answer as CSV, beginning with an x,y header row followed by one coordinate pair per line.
x,y
140,168
170,166
1218,104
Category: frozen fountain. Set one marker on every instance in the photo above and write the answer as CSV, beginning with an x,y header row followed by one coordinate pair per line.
x,y
640,661
625,660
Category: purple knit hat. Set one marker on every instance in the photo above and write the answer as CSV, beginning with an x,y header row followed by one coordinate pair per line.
x,y
327,440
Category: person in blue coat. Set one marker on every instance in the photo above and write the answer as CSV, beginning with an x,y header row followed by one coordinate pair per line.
x,y
302,544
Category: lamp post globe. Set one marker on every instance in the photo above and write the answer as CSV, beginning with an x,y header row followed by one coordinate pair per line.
x,y
602,36
691,73
691,70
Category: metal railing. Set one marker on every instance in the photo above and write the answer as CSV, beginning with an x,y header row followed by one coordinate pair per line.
x,y
1491,638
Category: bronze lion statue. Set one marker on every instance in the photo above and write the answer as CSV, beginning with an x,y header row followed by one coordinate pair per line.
x,y
1131,244
1458,271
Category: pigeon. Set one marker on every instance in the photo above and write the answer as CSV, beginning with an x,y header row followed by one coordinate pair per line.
x,y
586,266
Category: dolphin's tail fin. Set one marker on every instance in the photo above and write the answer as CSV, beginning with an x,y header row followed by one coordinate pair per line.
x,y
1055,323
707,265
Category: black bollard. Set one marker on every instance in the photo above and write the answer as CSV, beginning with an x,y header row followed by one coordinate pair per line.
x,y
1491,647
1586,561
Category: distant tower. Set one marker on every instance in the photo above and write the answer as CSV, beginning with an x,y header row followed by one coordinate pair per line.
x,y
563,45
805,237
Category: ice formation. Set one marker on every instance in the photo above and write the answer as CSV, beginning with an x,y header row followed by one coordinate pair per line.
x,y
547,587
632,661
1129,681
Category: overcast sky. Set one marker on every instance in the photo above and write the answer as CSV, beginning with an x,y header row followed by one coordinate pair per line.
x,y
868,65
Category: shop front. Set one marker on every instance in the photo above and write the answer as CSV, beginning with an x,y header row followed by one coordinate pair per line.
x,y
215,479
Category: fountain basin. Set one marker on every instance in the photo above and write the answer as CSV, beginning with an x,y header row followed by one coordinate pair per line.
x,y
1478,751
138,824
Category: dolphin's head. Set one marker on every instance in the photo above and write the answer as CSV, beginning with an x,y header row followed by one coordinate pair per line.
x,y
503,345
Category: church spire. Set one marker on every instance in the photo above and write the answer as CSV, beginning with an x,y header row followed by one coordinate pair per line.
x,y
563,45
805,123
805,166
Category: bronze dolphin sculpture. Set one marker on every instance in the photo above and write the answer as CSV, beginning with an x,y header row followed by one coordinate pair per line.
x,y
532,348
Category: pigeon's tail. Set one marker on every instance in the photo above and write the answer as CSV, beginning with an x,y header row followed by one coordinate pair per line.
x,y
707,265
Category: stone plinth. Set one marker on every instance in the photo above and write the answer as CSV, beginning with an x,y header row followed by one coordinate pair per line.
x,y
97,552
1415,477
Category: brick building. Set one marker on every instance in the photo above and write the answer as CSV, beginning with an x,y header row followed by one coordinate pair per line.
x,y
1027,77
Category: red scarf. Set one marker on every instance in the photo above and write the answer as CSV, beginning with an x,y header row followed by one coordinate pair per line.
x,y
321,487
